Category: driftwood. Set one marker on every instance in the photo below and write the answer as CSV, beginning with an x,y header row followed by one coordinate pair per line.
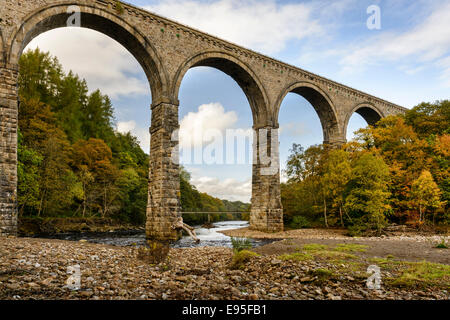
x,y
179,224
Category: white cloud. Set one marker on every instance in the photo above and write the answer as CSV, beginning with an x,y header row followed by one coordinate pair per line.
x,y
261,25
103,62
209,117
445,64
228,189
426,42
142,134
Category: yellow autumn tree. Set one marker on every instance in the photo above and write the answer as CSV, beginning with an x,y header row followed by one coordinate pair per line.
x,y
425,195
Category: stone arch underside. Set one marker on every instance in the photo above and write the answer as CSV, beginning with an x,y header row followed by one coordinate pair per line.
x,y
104,22
321,103
369,113
239,72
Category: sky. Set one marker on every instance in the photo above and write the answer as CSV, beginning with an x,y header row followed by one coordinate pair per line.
x,y
405,60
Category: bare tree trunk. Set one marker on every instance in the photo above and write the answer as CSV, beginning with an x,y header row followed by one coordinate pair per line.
x,y
340,214
348,216
40,205
84,200
325,211
191,231
105,205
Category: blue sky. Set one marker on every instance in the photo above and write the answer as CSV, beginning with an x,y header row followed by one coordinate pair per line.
x,y
407,61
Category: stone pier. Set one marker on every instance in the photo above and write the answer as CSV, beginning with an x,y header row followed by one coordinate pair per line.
x,y
267,211
8,151
163,208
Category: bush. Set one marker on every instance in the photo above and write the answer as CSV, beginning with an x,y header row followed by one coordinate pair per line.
x,y
240,258
368,226
322,274
155,253
240,244
357,230
443,244
119,8
300,222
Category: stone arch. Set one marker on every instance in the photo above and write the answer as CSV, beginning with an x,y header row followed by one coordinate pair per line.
x,y
320,101
368,111
98,19
236,69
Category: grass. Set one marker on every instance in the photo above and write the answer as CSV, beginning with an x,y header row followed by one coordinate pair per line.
x,y
240,244
241,258
344,262
350,247
297,256
414,274
335,255
322,274
422,274
318,251
314,247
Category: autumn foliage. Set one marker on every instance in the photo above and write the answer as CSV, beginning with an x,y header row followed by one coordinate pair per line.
x,y
396,171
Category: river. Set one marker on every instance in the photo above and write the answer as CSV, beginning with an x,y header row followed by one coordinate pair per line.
x,y
208,237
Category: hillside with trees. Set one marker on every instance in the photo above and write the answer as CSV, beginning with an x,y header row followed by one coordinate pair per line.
x,y
71,160
394,172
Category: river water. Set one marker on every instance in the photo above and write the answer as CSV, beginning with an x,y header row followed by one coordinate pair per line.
x,y
208,237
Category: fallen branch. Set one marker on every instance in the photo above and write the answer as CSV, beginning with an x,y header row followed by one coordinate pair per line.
x,y
179,224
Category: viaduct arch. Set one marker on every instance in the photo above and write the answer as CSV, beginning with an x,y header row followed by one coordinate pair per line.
x,y
167,50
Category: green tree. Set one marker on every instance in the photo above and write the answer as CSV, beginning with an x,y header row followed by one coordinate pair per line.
x,y
40,76
367,191
28,177
337,172
98,117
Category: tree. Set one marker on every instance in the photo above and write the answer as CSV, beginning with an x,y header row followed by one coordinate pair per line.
x,y
430,118
403,151
425,195
367,191
40,76
69,106
305,168
28,177
91,161
337,171
98,117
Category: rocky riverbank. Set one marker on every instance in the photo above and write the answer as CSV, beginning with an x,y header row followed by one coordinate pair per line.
x,y
30,227
37,269
337,234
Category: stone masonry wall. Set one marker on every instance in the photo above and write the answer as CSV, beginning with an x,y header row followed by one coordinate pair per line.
x,y
266,211
8,150
163,207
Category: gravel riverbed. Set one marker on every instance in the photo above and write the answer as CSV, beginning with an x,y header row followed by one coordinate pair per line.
x,y
37,269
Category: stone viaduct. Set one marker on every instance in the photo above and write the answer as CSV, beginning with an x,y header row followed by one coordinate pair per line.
x,y
166,50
